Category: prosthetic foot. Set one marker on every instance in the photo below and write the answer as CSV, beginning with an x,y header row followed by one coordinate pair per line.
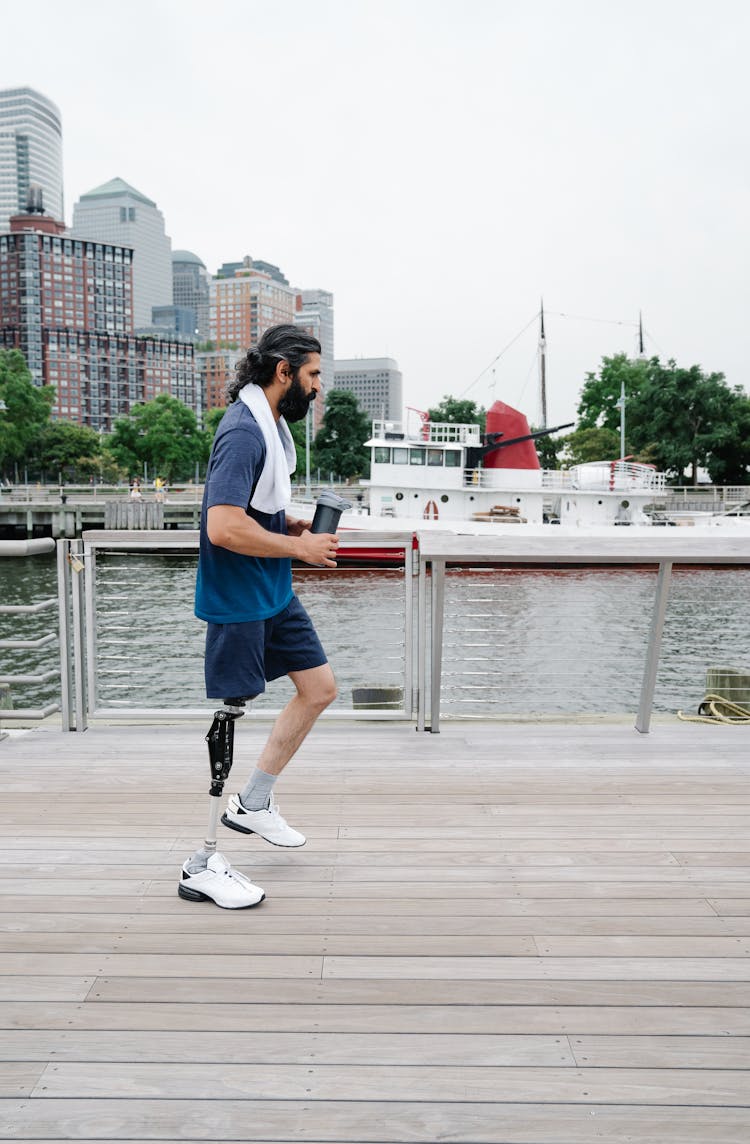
x,y
207,876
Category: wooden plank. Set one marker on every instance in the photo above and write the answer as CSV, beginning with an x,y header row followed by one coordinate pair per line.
x,y
171,944
351,1122
333,1016
688,1087
610,968
264,1048
553,906
273,921
19,1078
195,967
43,987
693,1052
422,991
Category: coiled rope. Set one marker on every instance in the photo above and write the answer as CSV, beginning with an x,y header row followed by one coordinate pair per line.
x,y
717,709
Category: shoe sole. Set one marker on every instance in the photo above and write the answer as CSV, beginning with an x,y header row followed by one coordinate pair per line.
x,y
196,896
246,830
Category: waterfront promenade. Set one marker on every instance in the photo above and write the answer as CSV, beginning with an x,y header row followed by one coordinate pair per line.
x,y
535,933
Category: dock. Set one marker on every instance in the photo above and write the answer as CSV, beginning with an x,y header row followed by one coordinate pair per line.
x,y
505,933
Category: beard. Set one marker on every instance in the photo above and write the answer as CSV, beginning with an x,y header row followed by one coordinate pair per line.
x,y
295,403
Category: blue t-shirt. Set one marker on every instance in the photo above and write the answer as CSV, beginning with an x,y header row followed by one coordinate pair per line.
x,y
232,588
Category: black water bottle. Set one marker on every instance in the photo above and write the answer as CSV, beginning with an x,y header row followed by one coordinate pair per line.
x,y
328,510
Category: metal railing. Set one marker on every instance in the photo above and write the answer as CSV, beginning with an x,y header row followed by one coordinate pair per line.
x,y
127,632
660,550
18,641
440,638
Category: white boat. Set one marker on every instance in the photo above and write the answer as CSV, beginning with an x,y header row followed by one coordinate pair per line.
x,y
449,473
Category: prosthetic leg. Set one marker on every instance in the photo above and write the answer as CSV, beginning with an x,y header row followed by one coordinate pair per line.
x,y
220,739
208,875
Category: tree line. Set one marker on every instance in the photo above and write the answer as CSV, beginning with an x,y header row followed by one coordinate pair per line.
x,y
161,435
678,419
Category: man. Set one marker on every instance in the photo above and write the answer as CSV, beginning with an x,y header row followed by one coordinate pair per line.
x,y
257,628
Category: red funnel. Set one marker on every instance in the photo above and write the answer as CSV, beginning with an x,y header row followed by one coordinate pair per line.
x,y
501,418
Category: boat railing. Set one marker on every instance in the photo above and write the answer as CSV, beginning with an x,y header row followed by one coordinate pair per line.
x,y
26,630
430,432
606,476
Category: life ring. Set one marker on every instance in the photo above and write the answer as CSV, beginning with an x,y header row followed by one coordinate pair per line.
x,y
430,511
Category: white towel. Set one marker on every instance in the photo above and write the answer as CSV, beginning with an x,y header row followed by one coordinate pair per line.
x,y
273,491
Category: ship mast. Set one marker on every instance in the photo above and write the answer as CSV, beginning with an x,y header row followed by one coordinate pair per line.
x,y
542,369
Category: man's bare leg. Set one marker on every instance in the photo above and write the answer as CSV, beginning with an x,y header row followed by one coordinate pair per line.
x,y
316,690
253,811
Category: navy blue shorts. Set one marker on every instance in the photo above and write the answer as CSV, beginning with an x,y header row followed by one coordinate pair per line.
x,y
242,658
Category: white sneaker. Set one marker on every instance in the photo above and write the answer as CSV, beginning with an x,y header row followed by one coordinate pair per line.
x,y
221,884
267,823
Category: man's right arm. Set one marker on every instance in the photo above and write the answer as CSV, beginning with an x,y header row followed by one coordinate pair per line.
x,y
229,526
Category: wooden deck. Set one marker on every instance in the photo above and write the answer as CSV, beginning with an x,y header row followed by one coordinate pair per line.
x,y
533,934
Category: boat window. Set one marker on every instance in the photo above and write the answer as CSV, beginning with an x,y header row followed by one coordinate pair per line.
x,y
416,456
382,455
401,456
435,457
453,458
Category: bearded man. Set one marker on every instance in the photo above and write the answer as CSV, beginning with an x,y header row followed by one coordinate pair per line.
x,y
257,629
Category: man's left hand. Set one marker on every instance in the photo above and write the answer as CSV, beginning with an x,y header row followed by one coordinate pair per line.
x,y
296,527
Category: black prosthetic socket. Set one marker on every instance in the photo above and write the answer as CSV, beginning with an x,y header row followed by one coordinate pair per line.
x,y
220,739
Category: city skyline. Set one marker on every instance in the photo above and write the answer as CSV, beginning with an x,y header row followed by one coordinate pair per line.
x,y
442,180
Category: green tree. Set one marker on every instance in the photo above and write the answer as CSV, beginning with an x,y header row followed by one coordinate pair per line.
x,y
600,396
212,420
24,411
299,436
677,418
70,449
548,449
729,463
592,443
458,411
339,443
681,416
163,434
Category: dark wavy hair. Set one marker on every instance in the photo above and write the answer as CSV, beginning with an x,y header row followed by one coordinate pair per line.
x,y
278,343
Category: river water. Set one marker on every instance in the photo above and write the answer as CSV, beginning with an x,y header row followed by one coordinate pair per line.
x,y
516,641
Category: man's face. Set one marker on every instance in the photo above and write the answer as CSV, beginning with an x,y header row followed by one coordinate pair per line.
x,y
303,389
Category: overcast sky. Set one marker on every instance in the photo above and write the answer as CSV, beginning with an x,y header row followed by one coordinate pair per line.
x,y
438,165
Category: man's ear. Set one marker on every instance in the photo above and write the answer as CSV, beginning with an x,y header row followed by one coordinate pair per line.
x,y
283,372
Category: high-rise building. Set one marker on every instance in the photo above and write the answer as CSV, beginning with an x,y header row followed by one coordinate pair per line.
x,y
375,382
66,303
190,288
118,214
314,315
244,305
216,368
30,152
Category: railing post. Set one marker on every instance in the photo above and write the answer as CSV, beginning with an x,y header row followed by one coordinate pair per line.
x,y
79,658
63,597
436,635
409,556
89,574
643,720
421,643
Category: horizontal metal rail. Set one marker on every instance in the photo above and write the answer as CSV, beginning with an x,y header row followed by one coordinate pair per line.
x,y
43,641
27,609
